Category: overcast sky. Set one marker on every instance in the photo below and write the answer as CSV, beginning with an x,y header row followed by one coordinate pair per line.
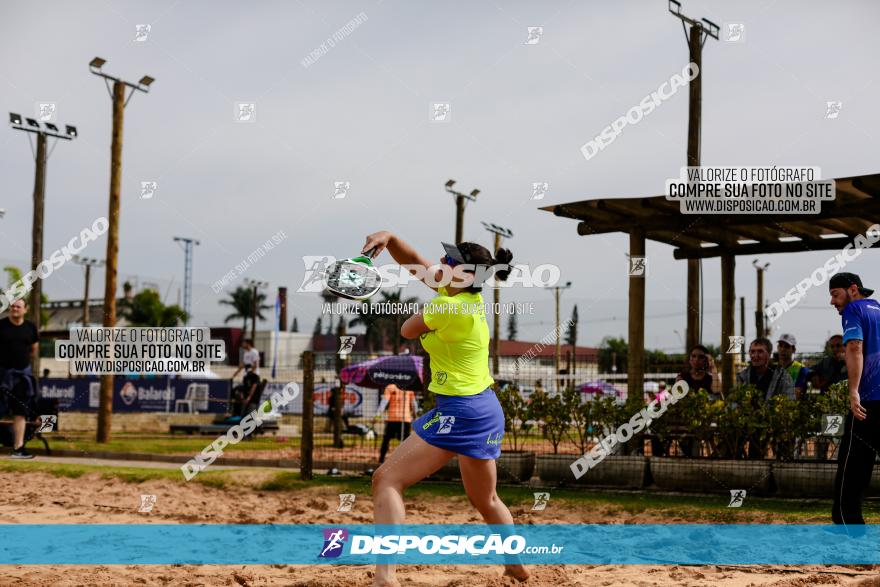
x,y
360,113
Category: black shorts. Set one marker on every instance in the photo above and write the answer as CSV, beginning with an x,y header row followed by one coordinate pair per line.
x,y
17,401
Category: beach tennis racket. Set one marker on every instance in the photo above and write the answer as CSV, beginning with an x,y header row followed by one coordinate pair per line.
x,y
353,279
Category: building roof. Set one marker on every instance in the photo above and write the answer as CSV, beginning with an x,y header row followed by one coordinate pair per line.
x,y
696,236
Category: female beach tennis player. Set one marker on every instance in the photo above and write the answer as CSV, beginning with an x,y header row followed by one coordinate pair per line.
x,y
467,420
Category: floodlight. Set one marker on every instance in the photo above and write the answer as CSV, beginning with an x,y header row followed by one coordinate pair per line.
x,y
51,127
450,183
14,118
146,81
71,131
32,122
97,63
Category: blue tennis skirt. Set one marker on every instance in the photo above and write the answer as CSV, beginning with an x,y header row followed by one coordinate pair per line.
x,y
469,425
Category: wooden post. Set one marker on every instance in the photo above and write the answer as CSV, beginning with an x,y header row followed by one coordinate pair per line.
x,y
759,306
86,295
635,372
742,326
459,219
282,315
496,328
105,409
728,310
692,333
308,412
695,103
37,241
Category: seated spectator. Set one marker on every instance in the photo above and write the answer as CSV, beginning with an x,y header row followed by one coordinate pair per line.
x,y
700,372
246,394
785,347
771,380
832,368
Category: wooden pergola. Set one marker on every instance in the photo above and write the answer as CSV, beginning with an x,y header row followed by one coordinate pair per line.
x,y
701,236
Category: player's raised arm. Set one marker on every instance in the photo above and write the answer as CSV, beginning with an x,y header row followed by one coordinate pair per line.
x,y
400,251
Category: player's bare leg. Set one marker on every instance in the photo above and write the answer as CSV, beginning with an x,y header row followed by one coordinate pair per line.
x,y
411,462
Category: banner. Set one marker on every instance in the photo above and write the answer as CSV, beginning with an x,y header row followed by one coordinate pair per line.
x,y
153,394
480,544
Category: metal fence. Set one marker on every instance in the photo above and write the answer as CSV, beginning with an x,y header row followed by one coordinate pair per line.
x,y
554,419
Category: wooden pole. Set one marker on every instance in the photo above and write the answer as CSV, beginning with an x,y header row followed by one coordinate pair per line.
x,y
105,409
742,326
308,413
459,219
695,103
728,311
558,342
496,328
37,239
86,295
759,305
635,372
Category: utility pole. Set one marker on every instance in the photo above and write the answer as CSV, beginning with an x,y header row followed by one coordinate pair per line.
x,y
556,290
499,232
88,263
105,409
695,38
187,273
43,131
742,326
759,307
460,200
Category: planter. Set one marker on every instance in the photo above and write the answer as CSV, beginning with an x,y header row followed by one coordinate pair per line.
x,y
712,476
515,467
613,471
805,479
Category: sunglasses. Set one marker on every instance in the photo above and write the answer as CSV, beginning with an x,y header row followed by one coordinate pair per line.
x,y
450,261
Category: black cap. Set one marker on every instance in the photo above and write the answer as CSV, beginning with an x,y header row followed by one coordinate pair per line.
x,y
844,280
455,252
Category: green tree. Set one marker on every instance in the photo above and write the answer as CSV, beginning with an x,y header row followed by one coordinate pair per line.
x,y
146,309
295,326
612,349
241,299
572,334
393,320
512,327
373,326
552,412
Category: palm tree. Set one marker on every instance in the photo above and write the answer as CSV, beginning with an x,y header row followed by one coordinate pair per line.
x,y
146,309
392,321
242,301
372,323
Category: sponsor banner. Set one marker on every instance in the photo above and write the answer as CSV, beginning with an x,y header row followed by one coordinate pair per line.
x,y
73,395
678,544
359,401
152,394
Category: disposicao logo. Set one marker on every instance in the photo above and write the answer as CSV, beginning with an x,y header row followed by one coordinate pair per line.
x,y
334,541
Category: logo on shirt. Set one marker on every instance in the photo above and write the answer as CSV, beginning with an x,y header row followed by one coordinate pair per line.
x,y
446,423
440,377
334,540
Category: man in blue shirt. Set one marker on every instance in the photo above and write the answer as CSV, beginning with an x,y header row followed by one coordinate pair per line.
x,y
861,436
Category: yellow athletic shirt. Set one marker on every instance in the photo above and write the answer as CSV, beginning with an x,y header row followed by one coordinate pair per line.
x,y
458,343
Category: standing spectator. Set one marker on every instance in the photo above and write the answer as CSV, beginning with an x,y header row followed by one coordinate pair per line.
x,y
249,356
861,434
770,381
19,342
832,368
401,406
785,347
